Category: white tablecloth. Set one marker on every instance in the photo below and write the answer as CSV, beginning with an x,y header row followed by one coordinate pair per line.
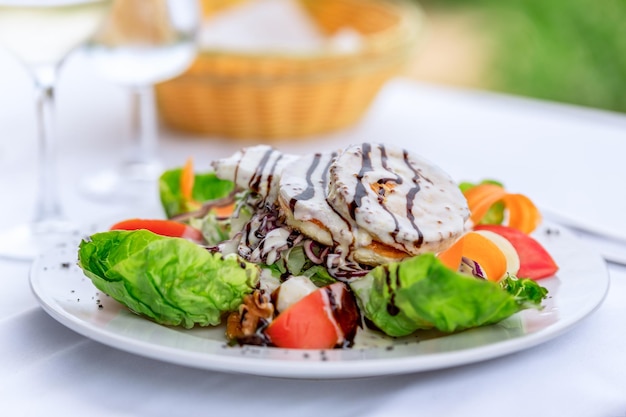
x,y
567,159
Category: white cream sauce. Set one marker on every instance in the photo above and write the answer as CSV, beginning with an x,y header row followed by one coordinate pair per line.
x,y
346,200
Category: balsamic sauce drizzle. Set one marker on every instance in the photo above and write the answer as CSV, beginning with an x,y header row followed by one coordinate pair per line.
x,y
410,198
270,176
374,158
392,308
398,180
360,191
255,181
325,187
309,191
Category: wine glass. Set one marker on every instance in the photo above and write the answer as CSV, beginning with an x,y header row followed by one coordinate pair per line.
x,y
143,42
41,33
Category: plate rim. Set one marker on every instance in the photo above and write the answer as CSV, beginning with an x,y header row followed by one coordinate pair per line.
x,y
315,369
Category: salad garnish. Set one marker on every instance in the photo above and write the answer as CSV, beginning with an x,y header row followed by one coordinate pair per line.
x,y
306,251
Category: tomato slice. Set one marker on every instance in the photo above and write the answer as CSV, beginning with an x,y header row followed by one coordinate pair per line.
x,y
161,227
321,320
535,261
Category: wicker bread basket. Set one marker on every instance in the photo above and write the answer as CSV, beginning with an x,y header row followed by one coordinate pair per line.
x,y
281,96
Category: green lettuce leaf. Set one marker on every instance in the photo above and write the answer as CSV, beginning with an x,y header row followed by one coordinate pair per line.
x,y
421,293
206,187
525,291
213,230
169,280
294,262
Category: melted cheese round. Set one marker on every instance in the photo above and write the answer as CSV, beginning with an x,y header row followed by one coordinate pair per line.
x,y
399,198
373,204
370,204
256,168
302,198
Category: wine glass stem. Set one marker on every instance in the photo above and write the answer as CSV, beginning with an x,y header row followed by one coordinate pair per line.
x,y
47,206
144,125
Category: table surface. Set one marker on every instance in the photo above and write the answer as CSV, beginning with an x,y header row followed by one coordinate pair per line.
x,y
567,159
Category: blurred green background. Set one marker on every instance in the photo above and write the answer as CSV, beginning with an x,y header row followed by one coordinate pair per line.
x,y
571,51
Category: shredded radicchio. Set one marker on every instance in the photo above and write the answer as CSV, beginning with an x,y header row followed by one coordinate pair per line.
x,y
344,269
266,236
472,267
310,249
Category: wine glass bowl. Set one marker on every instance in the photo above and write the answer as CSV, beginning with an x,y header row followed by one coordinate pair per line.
x,y
143,42
42,33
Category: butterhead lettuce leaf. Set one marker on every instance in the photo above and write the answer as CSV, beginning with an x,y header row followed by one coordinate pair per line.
x,y
169,280
421,293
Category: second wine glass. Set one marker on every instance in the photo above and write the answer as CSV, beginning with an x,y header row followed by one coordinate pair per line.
x,y
144,42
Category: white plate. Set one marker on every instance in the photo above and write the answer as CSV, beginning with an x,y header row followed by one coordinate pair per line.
x,y
578,289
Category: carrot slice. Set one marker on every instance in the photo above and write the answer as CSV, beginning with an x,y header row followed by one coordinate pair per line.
x,y
187,178
481,197
479,249
451,257
224,211
487,254
522,212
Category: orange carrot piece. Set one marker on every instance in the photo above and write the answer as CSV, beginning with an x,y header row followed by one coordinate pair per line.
x,y
451,257
487,254
187,178
479,249
224,211
481,197
522,212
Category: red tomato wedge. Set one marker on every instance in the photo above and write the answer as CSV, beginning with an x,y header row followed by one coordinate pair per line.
x,y
321,320
535,261
161,227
